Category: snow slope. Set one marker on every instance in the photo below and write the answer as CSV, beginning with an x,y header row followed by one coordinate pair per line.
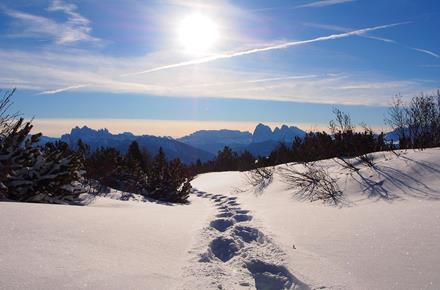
x,y
384,236
109,244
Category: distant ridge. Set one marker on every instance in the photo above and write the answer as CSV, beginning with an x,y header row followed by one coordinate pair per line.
x,y
103,138
261,142
203,144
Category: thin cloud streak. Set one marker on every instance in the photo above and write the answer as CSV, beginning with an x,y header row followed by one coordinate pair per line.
x,y
316,4
249,81
324,3
268,48
425,51
383,39
61,90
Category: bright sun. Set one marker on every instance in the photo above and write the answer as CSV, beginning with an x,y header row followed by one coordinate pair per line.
x,y
197,34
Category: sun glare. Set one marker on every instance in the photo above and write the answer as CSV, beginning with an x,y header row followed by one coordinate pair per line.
x,y
197,34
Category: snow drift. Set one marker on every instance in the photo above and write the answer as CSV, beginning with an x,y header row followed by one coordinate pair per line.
x,y
382,235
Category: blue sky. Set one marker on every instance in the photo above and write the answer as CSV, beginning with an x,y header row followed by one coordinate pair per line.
x,y
170,67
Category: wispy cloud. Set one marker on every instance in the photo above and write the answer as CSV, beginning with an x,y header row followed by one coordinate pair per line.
x,y
53,72
268,48
383,39
315,4
76,28
265,80
425,51
324,3
377,85
51,92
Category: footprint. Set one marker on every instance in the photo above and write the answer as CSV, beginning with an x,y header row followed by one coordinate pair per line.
x,y
224,248
221,224
270,276
226,209
248,234
242,217
225,214
235,209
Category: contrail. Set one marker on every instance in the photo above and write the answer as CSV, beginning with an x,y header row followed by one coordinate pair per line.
x,y
387,40
323,3
249,81
268,48
425,51
316,4
61,90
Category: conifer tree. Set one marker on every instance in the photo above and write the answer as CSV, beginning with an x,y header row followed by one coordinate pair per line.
x,y
33,175
134,155
168,181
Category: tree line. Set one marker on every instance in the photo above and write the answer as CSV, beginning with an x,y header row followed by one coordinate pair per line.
x,y
416,122
56,173
137,172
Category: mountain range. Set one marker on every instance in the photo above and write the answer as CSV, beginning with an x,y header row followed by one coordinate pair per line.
x,y
103,138
202,145
261,142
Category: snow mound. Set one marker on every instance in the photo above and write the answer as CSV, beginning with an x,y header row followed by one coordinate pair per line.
x,y
384,235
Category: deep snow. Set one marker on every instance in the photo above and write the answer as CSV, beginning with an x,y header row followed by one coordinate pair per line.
x,y
370,242
109,244
383,236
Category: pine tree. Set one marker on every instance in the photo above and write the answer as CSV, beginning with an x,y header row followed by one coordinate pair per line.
x,y
168,181
158,175
134,155
33,175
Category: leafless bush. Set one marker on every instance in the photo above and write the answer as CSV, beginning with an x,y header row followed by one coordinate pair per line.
x,y
417,121
6,118
314,182
260,178
367,159
346,164
342,122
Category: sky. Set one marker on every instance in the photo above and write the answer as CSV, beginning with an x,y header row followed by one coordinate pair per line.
x,y
174,66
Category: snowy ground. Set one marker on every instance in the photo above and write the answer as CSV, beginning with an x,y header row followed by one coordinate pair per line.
x,y
368,243
109,244
384,236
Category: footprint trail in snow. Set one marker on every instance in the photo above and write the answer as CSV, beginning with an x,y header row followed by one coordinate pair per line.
x,y
234,254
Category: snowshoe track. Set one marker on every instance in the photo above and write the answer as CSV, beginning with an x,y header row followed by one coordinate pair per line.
x,y
235,254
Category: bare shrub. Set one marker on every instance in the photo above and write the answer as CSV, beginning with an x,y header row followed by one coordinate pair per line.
x,y
259,178
7,119
417,121
342,122
346,164
367,159
314,182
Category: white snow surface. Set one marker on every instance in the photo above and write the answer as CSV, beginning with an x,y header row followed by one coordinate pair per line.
x,y
384,235
370,242
109,244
